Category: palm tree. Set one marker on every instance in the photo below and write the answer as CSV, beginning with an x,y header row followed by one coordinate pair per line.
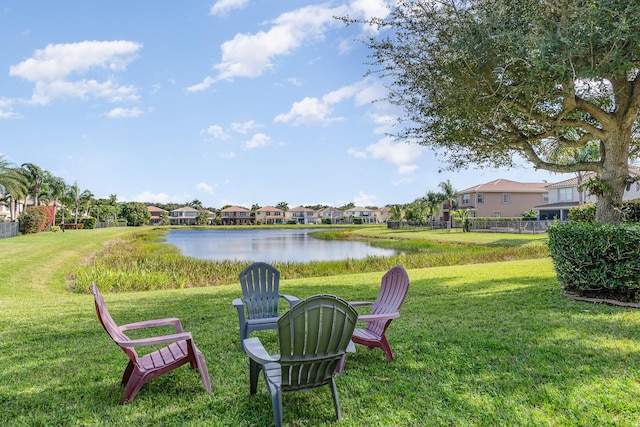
x,y
78,199
450,196
36,176
396,214
13,185
56,189
284,206
434,203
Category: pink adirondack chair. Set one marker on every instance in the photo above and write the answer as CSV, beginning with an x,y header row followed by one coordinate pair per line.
x,y
393,290
181,350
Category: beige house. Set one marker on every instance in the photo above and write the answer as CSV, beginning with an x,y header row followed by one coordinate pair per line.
x,y
502,198
566,194
336,216
184,216
382,214
156,215
235,215
365,214
270,215
302,215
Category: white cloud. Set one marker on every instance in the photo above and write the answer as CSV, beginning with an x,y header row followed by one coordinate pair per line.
x,y
125,113
244,127
222,7
314,111
309,111
230,155
250,55
217,132
258,140
56,70
401,154
6,109
363,199
204,188
147,196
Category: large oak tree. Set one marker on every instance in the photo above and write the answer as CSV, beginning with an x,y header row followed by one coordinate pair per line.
x,y
483,80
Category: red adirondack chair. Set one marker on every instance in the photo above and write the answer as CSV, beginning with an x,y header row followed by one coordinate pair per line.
x,y
181,350
393,290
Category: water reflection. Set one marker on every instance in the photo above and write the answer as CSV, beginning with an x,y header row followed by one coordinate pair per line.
x,y
269,245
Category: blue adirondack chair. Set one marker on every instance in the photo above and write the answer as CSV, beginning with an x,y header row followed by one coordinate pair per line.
x,y
313,337
258,307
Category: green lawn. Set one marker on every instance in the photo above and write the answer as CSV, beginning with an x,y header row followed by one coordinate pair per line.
x,y
476,345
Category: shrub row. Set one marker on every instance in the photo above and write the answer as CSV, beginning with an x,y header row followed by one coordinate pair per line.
x,y
35,219
587,212
593,259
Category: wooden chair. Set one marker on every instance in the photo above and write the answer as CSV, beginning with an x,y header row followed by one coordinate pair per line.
x,y
258,307
393,290
313,337
181,350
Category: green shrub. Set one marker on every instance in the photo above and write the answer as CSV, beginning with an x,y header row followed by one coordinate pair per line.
x,y
33,220
326,220
583,213
89,223
593,259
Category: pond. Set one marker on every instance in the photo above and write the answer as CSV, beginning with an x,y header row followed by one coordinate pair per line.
x,y
269,245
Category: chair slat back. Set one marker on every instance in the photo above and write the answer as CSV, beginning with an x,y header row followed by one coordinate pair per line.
x,y
109,324
260,282
313,336
393,290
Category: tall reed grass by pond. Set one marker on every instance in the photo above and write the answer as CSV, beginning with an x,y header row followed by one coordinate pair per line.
x,y
143,262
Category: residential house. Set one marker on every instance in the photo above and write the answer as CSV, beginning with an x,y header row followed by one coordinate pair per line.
x,y
502,198
270,215
335,216
382,214
157,215
366,215
566,194
184,216
235,215
302,215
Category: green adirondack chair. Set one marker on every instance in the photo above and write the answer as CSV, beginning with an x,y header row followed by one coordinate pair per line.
x,y
258,307
313,337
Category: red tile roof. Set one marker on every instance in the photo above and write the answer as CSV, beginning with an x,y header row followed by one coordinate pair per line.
x,y
505,185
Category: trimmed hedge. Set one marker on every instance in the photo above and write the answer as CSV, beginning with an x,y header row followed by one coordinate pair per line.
x,y
587,212
593,259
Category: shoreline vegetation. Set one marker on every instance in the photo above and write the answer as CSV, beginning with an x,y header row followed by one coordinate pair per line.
x,y
483,344
142,261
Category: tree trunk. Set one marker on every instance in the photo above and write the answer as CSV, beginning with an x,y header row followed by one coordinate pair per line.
x,y
613,177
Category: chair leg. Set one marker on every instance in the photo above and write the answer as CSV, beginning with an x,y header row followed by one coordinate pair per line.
x,y
127,373
135,383
384,345
341,363
276,401
336,401
254,373
204,372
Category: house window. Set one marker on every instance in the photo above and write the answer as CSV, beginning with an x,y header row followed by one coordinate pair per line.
x,y
506,198
480,198
466,199
496,215
545,197
565,194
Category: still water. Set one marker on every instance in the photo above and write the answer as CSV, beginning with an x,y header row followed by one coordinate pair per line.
x,y
271,245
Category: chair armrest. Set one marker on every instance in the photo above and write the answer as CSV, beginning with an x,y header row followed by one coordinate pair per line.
x,y
154,323
372,317
256,351
360,303
161,339
237,303
290,299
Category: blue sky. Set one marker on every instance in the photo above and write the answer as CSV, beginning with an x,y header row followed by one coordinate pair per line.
x,y
236,102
